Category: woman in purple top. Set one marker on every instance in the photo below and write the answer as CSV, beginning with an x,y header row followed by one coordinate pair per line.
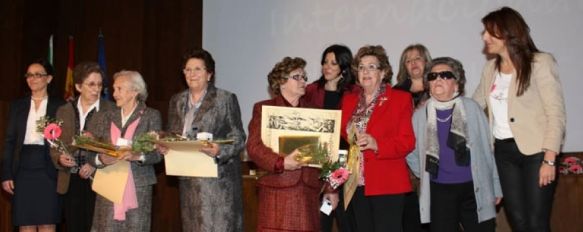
x,y
452,156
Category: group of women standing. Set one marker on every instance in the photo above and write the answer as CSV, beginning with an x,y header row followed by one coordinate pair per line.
x,y
447,143
423,125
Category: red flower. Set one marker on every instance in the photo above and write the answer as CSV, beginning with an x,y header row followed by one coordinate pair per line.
x,y
571,160
52,131
576,168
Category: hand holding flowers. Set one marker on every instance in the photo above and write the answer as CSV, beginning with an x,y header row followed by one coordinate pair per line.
x,y
51,130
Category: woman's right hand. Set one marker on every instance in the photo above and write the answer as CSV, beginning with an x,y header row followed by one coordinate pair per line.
x,y
66,160
106,159
8,186
290,162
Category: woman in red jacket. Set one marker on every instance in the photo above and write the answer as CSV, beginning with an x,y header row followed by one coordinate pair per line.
x,y
289,192
382,119
337,78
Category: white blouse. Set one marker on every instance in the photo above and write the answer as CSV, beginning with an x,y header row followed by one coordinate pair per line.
x,y
32,136
499,102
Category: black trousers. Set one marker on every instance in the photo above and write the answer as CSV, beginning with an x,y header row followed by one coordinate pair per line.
x,y
79,203
377,213
411,215
527,206
455,204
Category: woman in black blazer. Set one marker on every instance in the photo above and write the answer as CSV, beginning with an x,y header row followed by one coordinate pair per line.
x,y
28,172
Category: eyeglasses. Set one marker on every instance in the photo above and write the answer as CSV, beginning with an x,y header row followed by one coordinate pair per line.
x,y
35,75
446,75
188,71
99,85
368,68
299,77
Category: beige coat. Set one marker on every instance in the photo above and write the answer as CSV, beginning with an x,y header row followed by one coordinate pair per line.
x,y
537,118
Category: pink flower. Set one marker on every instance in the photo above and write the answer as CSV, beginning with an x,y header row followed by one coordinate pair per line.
x,y
571,160
338,177
576,168
52,131
340,174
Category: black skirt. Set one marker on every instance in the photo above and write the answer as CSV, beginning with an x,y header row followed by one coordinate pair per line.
x,y
35,200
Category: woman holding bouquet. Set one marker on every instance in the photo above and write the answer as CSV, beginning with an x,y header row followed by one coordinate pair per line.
x,y
74,170
119,126
289,193
336,80
380,119
209,204
28,173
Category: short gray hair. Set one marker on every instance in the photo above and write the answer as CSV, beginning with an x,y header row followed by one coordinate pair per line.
x,y
457,70
137,83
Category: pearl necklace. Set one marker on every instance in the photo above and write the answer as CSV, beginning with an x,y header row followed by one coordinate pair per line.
x,y
445,119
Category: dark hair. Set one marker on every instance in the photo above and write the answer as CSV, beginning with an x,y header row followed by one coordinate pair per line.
x,y
403,75
379,52
48,67
457,70
343,57
279,74
84,69
508,25
205,56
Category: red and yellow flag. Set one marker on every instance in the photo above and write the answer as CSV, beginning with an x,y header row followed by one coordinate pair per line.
x,y
69,86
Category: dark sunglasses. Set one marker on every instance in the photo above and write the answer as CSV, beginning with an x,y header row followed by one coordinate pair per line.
x,y
446,75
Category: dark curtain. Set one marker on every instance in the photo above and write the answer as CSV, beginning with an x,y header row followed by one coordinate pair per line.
x,y
148,36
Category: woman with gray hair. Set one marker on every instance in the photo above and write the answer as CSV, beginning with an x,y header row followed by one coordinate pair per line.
x,y
453,156
119,126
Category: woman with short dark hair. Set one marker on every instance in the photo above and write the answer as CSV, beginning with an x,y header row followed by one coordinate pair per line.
x,y
452,156
209,204
27,172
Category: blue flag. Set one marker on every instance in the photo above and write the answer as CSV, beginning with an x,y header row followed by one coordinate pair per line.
x,y
101,60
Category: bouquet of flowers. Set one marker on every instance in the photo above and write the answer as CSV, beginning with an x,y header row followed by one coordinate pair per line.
x,y
571,165
51,130
314,154
141,143
317,155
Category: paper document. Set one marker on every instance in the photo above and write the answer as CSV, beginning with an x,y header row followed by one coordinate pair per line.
x,y
185,159
110,181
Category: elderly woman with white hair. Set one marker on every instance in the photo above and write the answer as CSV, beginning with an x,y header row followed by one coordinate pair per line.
x,y
130,118
453,155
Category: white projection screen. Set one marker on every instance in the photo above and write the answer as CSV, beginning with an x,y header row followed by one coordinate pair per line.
x,y
248,37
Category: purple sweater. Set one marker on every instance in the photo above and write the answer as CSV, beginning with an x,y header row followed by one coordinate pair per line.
x,y
449,172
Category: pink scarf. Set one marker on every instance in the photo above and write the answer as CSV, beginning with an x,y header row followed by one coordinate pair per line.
x,y
130,199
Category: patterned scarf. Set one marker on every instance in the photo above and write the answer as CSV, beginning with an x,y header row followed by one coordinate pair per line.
x,y
457,137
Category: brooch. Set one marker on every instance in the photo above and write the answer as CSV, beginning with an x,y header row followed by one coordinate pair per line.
x,y
382,100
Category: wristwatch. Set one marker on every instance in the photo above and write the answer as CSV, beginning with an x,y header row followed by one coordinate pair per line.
x,y
549,162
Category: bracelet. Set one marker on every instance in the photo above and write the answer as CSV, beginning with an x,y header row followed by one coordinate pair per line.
x,y
549,162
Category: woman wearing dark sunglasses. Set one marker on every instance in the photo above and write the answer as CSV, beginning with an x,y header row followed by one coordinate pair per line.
x,y
520,87
452,156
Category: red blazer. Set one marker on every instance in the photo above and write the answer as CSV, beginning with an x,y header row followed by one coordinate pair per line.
x,y
390,124
266,159
288,200
315,93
